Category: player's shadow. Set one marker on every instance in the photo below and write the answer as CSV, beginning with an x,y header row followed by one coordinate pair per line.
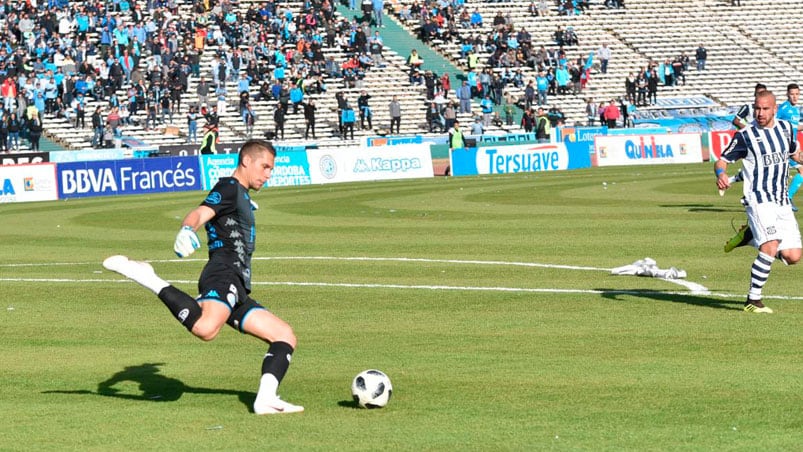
x,y
694,300
153,387
706,207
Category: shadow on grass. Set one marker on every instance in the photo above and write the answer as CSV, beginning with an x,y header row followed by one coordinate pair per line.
x,y
348,404
694,300
706,207
154,387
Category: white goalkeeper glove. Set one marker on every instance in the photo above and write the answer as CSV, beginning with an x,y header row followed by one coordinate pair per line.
x,y
186,242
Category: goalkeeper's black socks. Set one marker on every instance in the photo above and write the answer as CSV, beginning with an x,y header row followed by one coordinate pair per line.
x,y
277,360
184,308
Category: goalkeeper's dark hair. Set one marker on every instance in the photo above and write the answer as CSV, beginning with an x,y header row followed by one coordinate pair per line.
x,y
254,146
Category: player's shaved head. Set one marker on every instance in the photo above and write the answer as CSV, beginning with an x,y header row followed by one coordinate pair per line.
x,y
765,108
255,146
765,95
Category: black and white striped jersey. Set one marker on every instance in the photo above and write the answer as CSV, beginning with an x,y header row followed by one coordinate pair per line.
x,y
765,152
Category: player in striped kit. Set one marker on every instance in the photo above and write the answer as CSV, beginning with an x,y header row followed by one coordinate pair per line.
x,y
766,146
743,118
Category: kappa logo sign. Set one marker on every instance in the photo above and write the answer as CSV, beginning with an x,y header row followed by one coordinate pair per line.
x,y
386,165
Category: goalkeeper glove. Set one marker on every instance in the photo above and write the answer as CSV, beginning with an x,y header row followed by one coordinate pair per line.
x,y
186,242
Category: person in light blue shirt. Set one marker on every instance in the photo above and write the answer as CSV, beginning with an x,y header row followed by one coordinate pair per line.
x,y
82,22
471,77
487,106
378,5
243,84
542,85
477,128
562,77
790,111
51,92
463,94
296,97
476,19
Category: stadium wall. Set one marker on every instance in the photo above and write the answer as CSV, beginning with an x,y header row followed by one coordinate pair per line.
x,y
40,176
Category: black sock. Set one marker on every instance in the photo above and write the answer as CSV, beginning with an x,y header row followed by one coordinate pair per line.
x,y
184,308
277,360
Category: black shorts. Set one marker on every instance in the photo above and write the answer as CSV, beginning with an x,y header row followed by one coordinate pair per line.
x,y
224,285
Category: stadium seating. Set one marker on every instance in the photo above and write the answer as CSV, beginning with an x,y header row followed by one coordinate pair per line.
x,y
741,50
748,44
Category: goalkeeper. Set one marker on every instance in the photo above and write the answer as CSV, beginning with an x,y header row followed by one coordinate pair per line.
x,y
225,282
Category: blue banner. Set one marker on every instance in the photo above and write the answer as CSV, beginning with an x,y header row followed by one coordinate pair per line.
x,y
86,155
292,168
128,177
520,158
507,138
393,141
687,125
639,131
577,138
215,166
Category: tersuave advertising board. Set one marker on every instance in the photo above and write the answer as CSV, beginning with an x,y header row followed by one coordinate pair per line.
x,y
648,149
26,183
128,177
517,159
366,164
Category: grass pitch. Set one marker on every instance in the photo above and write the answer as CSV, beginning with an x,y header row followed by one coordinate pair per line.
x,y
487,300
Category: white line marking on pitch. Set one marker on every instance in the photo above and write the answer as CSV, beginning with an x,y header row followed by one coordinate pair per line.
x,y
693,287
418,287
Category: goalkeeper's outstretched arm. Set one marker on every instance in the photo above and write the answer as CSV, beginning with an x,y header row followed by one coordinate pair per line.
x,y
198,217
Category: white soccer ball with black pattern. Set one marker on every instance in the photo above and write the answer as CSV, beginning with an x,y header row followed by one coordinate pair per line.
x,y
371,389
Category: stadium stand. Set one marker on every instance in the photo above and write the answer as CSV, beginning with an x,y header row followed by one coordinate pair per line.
x,y
647,32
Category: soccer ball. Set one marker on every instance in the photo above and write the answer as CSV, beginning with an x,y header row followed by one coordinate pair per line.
x,y
371,389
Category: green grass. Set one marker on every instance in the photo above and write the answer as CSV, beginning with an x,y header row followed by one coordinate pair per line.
x,y
552,358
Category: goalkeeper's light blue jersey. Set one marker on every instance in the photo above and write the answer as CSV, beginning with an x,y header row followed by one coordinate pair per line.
x,y
791,113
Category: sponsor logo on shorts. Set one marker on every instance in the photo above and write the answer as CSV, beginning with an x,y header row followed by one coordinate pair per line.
x,y
182,315
231,298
